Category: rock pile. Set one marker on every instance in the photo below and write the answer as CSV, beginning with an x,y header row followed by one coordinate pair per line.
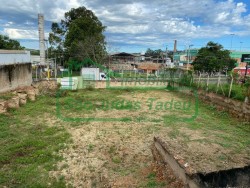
x,y
3,106
20,97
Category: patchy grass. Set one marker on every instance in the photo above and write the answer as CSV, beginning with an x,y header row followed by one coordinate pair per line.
x,y
152,182
32,137
218,125
29,147
90,147
6,96
116,159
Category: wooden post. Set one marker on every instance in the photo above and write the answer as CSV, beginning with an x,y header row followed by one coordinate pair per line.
x,y
218,84
207,81
231,85
191,80
199,80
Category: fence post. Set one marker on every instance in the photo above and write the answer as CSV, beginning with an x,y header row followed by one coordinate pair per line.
x,y
207,81
199,80
231,85
191,79
218,84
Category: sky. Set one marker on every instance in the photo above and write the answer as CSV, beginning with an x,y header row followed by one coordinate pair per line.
x,y
135,25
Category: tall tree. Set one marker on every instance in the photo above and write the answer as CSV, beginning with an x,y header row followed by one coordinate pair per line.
x,y
159,53
9,44
154,53
213,58
80,35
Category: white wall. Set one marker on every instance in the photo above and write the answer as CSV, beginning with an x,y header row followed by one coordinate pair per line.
x,y
8,57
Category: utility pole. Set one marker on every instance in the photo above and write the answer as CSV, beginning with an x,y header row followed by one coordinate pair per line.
x,y
166,53
246,72
47,48
41,38
189,54
47,58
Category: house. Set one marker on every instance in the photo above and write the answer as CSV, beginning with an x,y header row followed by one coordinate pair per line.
x,y
122,57
237,55
15,69
242,70
139,57
150,68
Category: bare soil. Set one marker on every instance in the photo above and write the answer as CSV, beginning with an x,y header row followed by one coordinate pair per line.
x,y
117,153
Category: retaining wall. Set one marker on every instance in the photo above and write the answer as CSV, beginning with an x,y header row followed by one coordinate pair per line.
x,y
14,76
236,108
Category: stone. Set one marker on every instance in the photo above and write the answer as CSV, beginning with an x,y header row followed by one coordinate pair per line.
x,y
13,102
31,94
22,98
36,91
3,106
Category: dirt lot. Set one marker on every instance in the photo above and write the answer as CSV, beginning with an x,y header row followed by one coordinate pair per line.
x,y
111,144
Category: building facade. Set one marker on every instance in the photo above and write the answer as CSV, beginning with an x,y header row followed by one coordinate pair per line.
x,y
15,69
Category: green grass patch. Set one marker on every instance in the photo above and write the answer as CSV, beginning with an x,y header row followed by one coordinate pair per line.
x,y
91,147
152,182
28,147
116,159
6,96
31,136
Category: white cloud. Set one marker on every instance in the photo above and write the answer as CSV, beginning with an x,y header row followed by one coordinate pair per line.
x,y
135,21
22,34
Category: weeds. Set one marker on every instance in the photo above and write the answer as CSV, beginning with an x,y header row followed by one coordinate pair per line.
x,y
153,183
116,159
90,147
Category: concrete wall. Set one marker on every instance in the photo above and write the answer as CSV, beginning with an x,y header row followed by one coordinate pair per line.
x,y
14,57
35,59
98,84
14,76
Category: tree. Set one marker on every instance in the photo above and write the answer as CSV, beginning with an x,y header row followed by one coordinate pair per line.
x,y
213,58
149,52
154,53
88,48
79,35
9,44
159,53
